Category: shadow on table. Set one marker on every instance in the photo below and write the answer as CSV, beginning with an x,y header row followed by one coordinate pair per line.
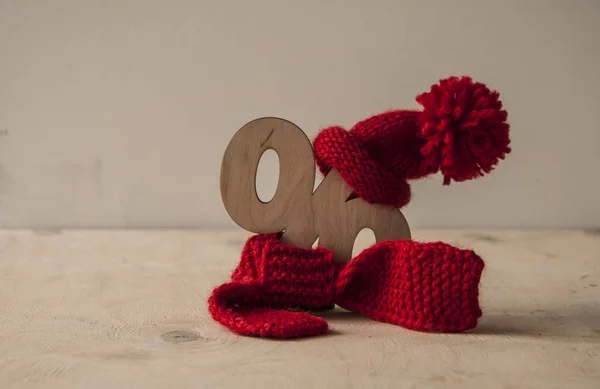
x,y
340,314
574,321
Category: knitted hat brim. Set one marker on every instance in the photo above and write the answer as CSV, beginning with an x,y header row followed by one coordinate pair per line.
x,y
336,148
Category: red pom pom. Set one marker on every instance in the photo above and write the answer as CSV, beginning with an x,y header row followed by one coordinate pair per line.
x,y
464,128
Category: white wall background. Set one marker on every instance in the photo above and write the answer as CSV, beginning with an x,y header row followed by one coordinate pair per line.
x,y
116,112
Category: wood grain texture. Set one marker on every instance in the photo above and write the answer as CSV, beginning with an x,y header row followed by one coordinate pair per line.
x,y
127,309
327,214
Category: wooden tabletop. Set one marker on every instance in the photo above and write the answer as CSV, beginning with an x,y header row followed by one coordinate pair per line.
x,y
127,309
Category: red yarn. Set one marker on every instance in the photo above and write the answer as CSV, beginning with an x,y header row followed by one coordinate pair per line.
x,y
342,150
465,129
420,286
462,131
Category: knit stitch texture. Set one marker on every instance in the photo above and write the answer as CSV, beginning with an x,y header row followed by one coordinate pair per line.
x,y
419,286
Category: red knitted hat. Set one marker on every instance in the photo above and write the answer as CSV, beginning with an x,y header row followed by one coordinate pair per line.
x,y
461,131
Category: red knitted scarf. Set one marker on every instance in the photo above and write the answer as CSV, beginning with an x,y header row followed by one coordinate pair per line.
x,y
420,286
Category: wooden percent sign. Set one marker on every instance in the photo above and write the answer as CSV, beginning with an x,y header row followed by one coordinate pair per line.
x,y
302,216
